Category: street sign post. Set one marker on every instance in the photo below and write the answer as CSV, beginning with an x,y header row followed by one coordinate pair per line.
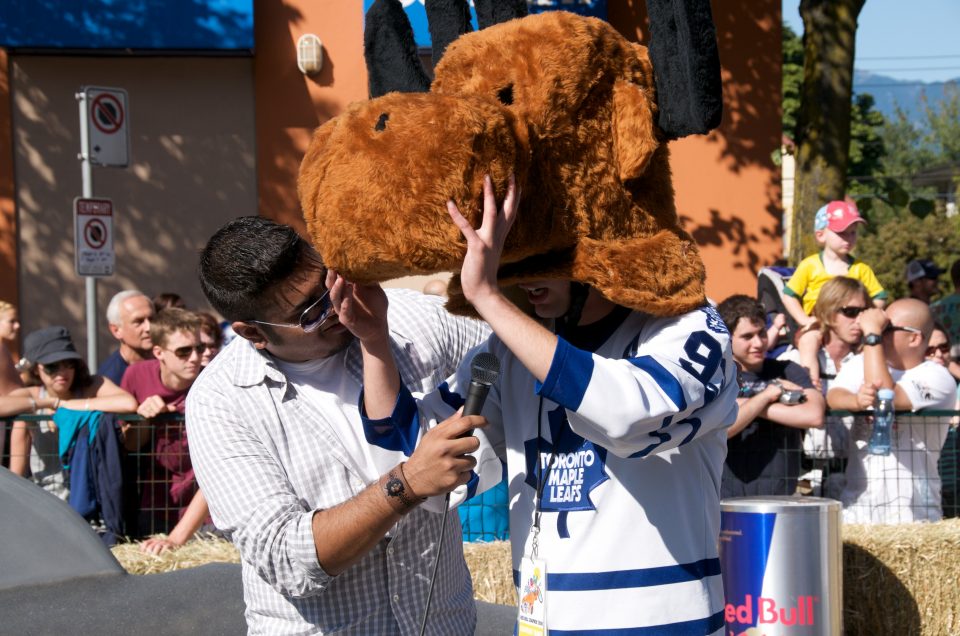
x,y
104,141
108,142
93,236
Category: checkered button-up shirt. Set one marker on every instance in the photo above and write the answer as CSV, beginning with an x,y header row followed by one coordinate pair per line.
x,y
266,460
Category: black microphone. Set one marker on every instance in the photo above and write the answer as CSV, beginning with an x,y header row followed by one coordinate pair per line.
x,y
484,371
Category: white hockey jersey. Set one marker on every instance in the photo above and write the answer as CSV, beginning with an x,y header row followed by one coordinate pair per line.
x,y
628,445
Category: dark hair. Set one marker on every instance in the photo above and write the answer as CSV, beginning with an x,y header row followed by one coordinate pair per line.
x,y
82,378
938,326
741,306
210,326
243,259
165,300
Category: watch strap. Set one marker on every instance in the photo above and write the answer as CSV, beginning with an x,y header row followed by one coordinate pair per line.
x,y
398,492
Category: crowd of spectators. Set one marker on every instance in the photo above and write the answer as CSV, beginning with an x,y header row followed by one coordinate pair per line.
x,y
129,476
809,369
849,340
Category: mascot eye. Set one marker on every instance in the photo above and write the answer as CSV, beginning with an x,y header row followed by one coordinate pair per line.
x,y
382,122
505,94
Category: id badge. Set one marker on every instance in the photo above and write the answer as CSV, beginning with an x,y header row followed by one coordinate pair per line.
x,y
532,616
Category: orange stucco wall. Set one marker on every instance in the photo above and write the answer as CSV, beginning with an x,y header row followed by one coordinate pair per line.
x,y
8,212
728,188
289,104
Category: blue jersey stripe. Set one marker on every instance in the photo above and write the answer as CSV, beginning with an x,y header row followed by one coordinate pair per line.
x,y
646,577
451,399
667,382
569,375
623,579
696,627
398,432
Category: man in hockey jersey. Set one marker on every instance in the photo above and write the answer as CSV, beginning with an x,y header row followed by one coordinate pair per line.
x,y
612,423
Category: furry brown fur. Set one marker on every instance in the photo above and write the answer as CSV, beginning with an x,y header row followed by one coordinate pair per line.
x,y
564,101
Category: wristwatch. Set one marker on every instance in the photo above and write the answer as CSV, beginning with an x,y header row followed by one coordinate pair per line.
x,y
396,490
872,339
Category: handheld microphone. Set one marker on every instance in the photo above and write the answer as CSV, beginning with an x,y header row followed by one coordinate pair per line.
x,y
484,371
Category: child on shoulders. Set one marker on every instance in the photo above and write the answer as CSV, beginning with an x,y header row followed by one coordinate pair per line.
x,y
835,227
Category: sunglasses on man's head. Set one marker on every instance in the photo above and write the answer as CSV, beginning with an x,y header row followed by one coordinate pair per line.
x,y
892,327
311,318
55,367
851,312
184,352
943,348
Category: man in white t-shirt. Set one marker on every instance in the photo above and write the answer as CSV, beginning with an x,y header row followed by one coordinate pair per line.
x,y
332,536
903,486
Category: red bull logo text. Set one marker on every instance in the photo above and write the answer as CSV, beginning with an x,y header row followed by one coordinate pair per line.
x,y
766,611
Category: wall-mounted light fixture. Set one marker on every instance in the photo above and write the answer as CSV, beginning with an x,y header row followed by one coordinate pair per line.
x,y
309,54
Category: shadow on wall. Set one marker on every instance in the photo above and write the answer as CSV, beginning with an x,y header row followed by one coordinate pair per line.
x,y
191,124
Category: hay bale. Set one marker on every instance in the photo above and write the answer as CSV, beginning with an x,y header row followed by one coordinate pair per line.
x,y
201,550
902,579
489,563
492,570
896,579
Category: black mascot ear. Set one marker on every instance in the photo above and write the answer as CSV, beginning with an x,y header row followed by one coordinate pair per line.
x,y
389,48
448,20
686,66
490,12
391,52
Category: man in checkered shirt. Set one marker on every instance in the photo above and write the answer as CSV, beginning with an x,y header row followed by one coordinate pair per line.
x,y
332,535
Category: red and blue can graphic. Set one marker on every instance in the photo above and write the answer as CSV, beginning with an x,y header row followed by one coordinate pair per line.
x,y
781,563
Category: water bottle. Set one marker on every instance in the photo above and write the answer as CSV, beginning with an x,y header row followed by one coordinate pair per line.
x,y
882,423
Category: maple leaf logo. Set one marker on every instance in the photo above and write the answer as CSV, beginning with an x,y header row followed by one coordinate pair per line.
x,y
571,465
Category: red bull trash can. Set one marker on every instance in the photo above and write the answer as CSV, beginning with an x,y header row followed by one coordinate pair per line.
x,y
781,561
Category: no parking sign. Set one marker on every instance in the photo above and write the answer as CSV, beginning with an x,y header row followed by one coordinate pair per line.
x,y
108,117
93,236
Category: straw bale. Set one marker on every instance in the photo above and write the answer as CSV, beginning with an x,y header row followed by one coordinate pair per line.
x,y
199,551
896,579
902,579
492,570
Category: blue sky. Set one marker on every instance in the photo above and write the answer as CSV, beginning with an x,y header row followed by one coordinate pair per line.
x,y
905,40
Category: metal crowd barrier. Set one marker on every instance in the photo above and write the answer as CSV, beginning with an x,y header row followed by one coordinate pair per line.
x,y
485,518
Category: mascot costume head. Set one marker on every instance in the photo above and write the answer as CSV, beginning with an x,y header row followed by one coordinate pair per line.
x,y
578,113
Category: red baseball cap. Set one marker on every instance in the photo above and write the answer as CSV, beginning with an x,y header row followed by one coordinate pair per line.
x,y
837,216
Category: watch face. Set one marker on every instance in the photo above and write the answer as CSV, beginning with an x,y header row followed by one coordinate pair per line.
x,y
394,487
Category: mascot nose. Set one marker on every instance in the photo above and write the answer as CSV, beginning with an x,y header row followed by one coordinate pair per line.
x,y
382,122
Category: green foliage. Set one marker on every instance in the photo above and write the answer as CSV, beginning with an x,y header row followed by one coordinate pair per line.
x,y
866,141
890,246
792,79
943,125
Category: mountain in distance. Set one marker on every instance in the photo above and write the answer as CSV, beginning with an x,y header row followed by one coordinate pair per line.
x,y
890,93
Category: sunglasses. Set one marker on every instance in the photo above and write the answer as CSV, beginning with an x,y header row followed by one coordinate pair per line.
x,y
311,318
55,367
851,312
184,352
943,348
892,327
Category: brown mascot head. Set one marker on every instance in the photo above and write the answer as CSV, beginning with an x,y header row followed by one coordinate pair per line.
x,y
567,104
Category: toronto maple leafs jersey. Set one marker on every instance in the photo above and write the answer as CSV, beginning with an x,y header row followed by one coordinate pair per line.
x,y
626,446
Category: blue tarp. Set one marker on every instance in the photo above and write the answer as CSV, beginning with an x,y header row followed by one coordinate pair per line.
x,y
185,25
